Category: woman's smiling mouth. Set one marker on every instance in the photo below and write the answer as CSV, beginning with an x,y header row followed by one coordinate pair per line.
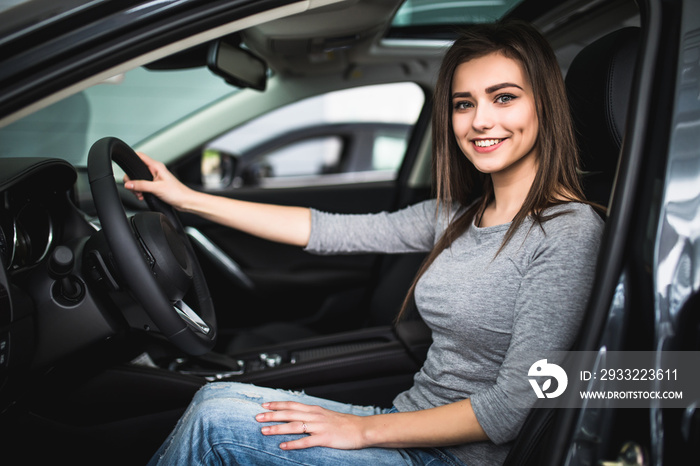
x,y
487,145
486,142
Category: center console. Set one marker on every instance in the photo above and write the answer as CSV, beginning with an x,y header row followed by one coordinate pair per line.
x,y
368,366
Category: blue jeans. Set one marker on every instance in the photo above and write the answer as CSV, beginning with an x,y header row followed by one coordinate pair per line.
x,y
219,428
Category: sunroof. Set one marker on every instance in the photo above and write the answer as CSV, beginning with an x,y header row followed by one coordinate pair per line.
x,y
455,12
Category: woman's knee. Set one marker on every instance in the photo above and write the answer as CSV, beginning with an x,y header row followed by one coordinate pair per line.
x,y
226,390
225,402
214,420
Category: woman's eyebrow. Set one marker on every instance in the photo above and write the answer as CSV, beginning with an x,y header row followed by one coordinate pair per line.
x,y
497,87
488,90
461,95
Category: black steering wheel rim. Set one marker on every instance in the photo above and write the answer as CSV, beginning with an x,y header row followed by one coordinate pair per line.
x,y
128,254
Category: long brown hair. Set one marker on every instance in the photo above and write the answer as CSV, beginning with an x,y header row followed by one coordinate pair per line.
x,y
456,180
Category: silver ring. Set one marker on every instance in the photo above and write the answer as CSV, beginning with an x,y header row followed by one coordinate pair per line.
x,y
304,427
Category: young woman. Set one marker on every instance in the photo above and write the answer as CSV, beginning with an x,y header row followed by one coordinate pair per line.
x,y
513,247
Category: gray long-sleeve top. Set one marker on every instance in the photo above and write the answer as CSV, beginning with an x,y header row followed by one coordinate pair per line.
x,y
486,311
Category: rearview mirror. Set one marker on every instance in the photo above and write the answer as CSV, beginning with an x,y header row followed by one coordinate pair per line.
x,y
237,66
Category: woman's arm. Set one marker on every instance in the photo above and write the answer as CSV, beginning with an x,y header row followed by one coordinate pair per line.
x,y
451,424
291,225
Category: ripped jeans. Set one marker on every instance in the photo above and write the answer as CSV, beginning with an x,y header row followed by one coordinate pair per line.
x,y
219,428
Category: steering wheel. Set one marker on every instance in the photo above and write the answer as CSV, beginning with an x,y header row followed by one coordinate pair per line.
x,y
151,252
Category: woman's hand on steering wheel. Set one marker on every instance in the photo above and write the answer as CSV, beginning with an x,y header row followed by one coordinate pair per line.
x,y
164,185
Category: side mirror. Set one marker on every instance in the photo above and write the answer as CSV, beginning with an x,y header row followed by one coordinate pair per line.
x,y
237,66
217,169
256,172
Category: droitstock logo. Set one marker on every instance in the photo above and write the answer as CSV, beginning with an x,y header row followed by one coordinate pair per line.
x,y
542,368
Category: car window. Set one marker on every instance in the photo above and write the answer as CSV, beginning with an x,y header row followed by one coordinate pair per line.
x,y
313,156
310,142
131,107
451,12
388,150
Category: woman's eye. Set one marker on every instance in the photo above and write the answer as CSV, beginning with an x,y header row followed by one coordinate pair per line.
x,y
505,98
462,105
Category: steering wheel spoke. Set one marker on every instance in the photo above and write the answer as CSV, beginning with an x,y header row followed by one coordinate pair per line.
x,y
191,317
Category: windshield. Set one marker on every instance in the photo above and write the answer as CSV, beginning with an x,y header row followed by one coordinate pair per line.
x,y
131,107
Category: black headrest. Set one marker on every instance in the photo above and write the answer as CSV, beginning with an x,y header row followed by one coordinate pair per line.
x,y
598,83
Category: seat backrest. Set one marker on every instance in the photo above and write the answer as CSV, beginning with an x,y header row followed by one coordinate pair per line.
x,y
598,84
397,274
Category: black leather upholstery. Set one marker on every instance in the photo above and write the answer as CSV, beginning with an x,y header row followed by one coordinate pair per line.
x,y
396,275
598,83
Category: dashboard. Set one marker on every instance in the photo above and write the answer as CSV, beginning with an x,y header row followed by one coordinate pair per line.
x,y
36,215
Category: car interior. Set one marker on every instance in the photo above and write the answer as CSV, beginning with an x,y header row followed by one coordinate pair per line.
x,y
94,375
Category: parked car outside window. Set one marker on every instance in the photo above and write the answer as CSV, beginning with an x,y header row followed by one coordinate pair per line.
x,y
354,132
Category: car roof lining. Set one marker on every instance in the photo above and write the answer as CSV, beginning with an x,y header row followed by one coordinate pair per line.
x,y
327,39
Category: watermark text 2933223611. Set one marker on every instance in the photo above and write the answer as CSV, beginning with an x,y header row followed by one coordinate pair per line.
x,y
611,379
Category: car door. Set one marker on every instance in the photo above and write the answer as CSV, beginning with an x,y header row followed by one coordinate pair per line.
x,y
334,155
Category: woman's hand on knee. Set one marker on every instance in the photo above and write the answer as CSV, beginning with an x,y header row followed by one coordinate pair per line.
x,y
320,427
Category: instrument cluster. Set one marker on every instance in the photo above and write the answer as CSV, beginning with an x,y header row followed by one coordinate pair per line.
x,y
26,232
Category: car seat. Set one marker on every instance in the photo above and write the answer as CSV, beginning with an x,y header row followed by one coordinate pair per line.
x,y
396,274
598,84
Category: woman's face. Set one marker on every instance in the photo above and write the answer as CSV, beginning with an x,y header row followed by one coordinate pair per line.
x,y
494,116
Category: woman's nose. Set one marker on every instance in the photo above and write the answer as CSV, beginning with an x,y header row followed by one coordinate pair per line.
x,y
483,118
